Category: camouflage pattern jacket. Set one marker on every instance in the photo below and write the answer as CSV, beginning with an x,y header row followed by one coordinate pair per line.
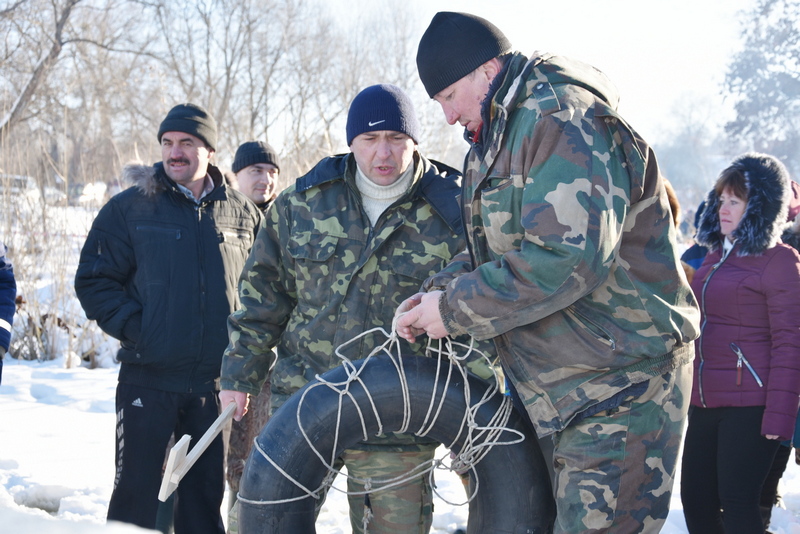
x,y
158,271
319,274
572,265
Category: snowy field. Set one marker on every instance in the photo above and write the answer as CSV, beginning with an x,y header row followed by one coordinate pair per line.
x,y
57,460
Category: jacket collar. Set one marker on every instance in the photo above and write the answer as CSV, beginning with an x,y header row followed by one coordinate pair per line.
x,y
150,180
438,184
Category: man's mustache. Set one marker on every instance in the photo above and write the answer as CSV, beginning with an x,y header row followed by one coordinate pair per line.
x,y
170,161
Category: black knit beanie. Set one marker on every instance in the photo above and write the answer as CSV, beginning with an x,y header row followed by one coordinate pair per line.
x,y
254,152
454,45
191,119
382,107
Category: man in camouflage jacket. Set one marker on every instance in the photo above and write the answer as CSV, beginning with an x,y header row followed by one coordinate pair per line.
x,y
338,252
572,269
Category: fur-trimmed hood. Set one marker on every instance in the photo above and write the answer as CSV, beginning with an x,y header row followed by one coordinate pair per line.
x,y
764,218
143,177
151,179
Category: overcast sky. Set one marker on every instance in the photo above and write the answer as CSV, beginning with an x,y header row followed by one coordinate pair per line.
x,y
661,54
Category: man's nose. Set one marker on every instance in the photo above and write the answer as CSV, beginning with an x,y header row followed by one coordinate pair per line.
x,y
450,115
384,148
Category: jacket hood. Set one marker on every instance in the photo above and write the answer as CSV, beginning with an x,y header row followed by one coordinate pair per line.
x,y
558,70
764,218
519,78
151,179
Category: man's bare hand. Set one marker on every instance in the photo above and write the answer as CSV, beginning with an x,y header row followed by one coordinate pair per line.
x,y
418,314
227,396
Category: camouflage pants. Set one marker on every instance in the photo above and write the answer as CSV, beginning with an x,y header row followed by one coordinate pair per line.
x,y
406,509
614,471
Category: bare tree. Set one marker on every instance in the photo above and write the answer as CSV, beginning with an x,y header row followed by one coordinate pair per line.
x,y
764,81
15,112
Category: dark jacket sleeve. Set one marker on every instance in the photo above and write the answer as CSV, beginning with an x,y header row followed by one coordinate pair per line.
x,y
103,279
8,292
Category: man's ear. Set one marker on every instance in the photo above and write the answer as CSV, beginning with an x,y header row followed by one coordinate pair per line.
x,y
491,68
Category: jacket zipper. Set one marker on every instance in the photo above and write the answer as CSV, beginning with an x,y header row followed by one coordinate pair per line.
x,y
199,209
703,327
596,330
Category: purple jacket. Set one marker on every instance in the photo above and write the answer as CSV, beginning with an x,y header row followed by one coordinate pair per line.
x,y
748,352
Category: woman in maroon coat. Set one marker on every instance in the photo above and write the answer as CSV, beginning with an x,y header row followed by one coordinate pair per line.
x,y
747,364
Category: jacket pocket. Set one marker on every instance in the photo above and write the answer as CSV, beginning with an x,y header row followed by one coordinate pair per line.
x,y
500,205
154,327
235,237
741,362
317,266
592,327
162,232
409,269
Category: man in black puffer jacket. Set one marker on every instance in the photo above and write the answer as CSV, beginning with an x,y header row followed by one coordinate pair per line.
x,y
158,271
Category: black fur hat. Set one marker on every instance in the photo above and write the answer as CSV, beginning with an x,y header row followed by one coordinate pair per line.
x,y
764,218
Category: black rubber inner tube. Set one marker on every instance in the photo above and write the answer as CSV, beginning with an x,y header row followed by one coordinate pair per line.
x,y
514,493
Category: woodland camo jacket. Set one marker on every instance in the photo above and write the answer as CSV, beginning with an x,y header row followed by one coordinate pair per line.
x,y
572,265
319,274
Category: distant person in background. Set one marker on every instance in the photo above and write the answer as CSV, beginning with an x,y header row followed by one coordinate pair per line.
x,y
8,292
747,370
770,496
692,258
257,167
674,206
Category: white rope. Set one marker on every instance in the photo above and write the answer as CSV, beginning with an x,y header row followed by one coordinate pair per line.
x,y
478,440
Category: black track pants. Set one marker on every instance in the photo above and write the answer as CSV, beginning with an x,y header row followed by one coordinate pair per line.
x,y
146,418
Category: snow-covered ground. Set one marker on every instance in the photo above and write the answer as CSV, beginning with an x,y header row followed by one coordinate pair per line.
x,y
57,455
57,417
57,459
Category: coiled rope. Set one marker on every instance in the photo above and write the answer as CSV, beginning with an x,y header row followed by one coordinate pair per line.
x,y
478,439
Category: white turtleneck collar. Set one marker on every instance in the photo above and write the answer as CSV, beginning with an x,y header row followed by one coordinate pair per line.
x,y
376,198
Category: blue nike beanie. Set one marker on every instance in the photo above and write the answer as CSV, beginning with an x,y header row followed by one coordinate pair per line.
x,y
382,107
